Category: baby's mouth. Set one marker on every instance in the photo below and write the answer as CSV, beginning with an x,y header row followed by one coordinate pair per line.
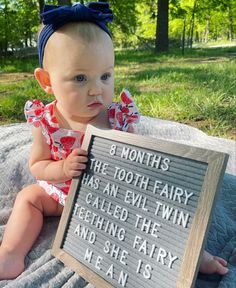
x,y
95,104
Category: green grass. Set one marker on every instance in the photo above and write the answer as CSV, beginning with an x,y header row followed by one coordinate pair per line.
x,y
13,97
19,65
198,88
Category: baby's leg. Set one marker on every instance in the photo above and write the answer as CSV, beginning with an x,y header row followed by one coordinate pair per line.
x,y
23,227
212,264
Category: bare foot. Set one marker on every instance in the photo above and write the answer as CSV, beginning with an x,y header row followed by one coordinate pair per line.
x,y
212,264
11,265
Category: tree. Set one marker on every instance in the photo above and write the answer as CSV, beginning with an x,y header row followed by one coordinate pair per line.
x,y
206,20
162,40
5,33
41,5
230,17
137,23
19,22
125,21
228,6
146,23
192,23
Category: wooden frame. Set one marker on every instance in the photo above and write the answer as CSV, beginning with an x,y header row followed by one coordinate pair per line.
x,y
215,165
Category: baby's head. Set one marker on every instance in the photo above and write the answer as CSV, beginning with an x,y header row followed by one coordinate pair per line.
x,y
77,62
55,17
70,43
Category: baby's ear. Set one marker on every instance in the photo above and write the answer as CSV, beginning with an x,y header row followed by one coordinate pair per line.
x,y
43,79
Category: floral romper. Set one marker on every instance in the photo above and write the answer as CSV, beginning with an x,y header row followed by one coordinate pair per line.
x,y
63,141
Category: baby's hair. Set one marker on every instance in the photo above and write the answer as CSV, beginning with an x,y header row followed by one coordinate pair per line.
x,y
86,31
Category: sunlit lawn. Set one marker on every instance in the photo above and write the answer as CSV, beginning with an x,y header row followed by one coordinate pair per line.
x,y
198,89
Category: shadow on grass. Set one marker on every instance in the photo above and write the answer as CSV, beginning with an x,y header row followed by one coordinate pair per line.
x,y
218,101
146,56
210,78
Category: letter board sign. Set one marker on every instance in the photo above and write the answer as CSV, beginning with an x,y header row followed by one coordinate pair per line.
x,y
139,213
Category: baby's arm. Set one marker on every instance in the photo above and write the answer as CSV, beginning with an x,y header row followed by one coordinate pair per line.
x,y
44,168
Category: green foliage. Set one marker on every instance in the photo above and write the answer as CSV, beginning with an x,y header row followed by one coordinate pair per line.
x,y
211,19
134,22
19,21
146,22
125,22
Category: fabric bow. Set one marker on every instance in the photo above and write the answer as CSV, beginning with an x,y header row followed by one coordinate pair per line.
x,y
54,17
122,114
34,111
93,12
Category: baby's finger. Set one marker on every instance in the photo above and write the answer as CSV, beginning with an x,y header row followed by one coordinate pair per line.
x,y
130,129
82,159
79,151
79,159
78,166
76,173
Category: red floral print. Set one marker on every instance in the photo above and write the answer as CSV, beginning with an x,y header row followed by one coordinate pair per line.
x,y
63,141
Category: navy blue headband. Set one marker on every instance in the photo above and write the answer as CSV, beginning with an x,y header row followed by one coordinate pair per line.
x,y
54,17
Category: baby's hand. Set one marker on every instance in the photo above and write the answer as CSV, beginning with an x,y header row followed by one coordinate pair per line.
x,y
74,164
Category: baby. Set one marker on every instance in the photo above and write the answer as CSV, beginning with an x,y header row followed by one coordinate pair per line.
x,y
77,66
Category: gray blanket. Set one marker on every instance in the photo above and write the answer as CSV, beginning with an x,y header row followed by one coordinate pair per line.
x,y
43,270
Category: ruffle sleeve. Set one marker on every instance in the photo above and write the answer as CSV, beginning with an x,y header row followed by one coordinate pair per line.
x,y
122,114
35,115
34,111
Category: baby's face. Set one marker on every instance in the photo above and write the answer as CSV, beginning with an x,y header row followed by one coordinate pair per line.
x,y
81,75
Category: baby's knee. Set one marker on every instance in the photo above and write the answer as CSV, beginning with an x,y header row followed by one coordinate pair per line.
x,y
30,194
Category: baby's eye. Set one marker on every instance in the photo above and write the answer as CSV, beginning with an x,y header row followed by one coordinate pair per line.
x,y
80,78
105,76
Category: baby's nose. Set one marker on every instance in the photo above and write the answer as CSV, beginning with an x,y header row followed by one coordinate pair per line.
x,y
95,89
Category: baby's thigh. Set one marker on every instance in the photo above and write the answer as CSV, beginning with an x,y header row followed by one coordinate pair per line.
x,y
36,196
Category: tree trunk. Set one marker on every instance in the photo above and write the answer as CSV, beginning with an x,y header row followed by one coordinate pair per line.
x,y
216,34
207,30
6,30
192,23
41,5
230,17
162,40
183,35
64,2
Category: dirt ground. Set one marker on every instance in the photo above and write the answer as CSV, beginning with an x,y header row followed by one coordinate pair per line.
x,y
14,77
